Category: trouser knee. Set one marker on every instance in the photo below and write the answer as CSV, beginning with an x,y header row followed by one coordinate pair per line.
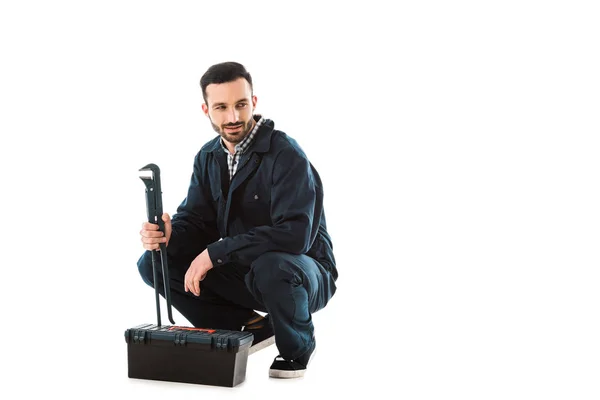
x,y
145,268
270,274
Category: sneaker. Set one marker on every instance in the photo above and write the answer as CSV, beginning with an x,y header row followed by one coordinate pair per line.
x,y
282,368
262,330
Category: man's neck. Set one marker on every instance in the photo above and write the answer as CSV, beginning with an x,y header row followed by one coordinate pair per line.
x,y
230,146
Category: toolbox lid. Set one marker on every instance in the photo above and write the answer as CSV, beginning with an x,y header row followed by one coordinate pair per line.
x,y
182,335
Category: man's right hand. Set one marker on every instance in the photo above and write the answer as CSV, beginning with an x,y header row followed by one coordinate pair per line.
x,y
152,237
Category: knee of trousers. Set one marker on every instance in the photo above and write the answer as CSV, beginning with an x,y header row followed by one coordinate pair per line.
x,y
272,273
145,268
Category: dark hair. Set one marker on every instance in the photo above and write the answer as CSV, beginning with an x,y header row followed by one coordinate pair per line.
x,y
222,73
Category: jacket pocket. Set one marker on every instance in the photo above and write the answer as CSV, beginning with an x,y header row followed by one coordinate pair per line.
x,y
256,207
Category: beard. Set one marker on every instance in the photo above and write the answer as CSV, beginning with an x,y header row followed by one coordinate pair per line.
x,y
234,136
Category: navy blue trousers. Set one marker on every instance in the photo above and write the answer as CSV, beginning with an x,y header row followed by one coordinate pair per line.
x,y
286,286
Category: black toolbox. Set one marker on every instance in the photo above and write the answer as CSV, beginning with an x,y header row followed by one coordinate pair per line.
x,y
190,355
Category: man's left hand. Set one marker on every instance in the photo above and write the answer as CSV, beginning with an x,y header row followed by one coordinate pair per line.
x,y
196,272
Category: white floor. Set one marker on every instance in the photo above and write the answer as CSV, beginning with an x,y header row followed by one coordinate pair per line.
x,y
430,353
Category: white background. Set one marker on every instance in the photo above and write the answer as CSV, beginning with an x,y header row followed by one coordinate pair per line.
x,y
458,147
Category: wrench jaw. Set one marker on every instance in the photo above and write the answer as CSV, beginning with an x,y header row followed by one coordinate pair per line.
x,y
151,167
148,178
149,175
149,171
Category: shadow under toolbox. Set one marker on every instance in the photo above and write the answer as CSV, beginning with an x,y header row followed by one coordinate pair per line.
x,y
190,355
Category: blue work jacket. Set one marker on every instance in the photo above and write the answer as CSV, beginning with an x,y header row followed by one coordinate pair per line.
x,y
273,203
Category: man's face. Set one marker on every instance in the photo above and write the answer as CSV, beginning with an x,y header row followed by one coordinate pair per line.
x,y
230,107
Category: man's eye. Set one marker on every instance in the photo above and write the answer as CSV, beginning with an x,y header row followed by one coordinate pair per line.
x,y
220,107
242,105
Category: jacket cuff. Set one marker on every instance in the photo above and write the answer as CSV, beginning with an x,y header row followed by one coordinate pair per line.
x,y
216,253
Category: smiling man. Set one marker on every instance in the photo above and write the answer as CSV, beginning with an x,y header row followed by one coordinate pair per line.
x,y
231,116
251,234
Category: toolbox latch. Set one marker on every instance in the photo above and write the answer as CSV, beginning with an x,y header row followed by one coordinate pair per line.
x,y
139,336
221,342
180,339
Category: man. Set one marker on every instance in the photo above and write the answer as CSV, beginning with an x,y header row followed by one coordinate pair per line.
x,y
251,233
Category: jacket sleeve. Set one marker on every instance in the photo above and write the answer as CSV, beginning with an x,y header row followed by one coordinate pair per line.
x,y
194,224
295,202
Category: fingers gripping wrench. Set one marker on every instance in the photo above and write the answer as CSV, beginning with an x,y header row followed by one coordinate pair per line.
x,y
151,177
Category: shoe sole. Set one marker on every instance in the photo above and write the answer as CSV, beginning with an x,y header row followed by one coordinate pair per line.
x,y
276,373
265,343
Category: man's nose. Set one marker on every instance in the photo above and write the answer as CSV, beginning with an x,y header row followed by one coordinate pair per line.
x,y
233,116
